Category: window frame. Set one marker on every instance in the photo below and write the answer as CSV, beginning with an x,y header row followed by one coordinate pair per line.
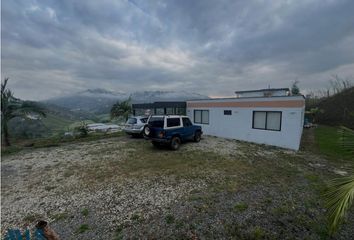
x,y
201,116
265,127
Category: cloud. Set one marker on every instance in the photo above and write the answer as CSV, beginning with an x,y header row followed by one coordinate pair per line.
x,y
50,48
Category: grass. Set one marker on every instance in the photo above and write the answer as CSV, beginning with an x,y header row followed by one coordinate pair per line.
x,y
85,212
170,219
328,142
240,207
54,141
60,216
83,228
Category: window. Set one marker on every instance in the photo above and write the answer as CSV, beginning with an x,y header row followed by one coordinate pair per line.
x,y
132,121
156,122
201,116
173,122
267,120
186,122
227,112
170,111
180,111
159,111
143,120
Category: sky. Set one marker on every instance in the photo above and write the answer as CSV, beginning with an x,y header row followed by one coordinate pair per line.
x,y
51,48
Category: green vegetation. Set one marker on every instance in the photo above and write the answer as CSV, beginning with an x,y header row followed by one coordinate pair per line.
x,y
240,207
121,109
328,140
31,217
169,219
85,212
340,198
118,232
83,228
55,141
135,217
12,107
60,216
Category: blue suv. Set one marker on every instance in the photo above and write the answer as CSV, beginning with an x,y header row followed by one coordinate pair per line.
x,y
171,130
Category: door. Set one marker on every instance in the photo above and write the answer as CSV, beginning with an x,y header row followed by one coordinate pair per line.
x,y
188,127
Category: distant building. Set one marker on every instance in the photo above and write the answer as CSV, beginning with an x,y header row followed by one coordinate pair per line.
x,y
159,108
270,92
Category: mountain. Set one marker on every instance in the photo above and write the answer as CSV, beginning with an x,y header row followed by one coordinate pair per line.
x,y
100,101
57,120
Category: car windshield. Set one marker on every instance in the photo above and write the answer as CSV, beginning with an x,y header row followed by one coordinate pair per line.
x,y
156,122
131,121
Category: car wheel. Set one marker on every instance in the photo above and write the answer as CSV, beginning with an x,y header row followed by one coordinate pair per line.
x,y
197,136
175,143
146,131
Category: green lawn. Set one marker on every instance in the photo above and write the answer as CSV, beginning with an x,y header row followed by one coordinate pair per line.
x,y
328,140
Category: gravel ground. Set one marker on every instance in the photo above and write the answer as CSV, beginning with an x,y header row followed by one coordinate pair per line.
x,y
83,192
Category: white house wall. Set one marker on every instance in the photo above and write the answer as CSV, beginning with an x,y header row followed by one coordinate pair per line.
x,y
239,125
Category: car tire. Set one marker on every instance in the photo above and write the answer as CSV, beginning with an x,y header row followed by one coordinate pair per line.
x,y
197,136
175,143
146,131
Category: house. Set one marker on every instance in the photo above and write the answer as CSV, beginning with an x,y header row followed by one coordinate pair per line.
x,y
266,116
159,108
269,92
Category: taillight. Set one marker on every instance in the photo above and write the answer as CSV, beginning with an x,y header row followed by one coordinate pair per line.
x,y
162,134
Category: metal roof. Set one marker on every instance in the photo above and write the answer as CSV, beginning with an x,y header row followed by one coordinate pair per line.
x,y
160,104
263,90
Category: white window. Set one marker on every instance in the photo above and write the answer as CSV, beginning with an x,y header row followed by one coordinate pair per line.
x,y
201,116
259,120
197,116
273,121
267,120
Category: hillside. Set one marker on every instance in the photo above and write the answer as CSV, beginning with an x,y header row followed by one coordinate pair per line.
x,y
338,109
57,120
100,101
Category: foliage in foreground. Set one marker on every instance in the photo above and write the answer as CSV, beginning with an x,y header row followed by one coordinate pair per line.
x,y
339,199
12,107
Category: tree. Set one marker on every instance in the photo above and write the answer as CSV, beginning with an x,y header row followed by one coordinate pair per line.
x,y
12,107
121,109
294,88
82,129
340,197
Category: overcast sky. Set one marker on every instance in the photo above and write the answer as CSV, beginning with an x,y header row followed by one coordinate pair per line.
x,y
212,47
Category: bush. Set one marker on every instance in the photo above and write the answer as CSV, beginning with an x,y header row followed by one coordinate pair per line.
x,y
82,129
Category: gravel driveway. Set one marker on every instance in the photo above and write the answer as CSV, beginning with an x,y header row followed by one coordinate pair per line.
x,y
124,188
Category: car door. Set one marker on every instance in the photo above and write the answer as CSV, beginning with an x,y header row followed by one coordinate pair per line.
x,y
188,128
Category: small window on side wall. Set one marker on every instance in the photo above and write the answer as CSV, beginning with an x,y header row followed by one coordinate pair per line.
x,y
227,112
267,120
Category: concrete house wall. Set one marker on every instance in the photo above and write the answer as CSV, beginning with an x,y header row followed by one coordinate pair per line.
x,y
239,126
